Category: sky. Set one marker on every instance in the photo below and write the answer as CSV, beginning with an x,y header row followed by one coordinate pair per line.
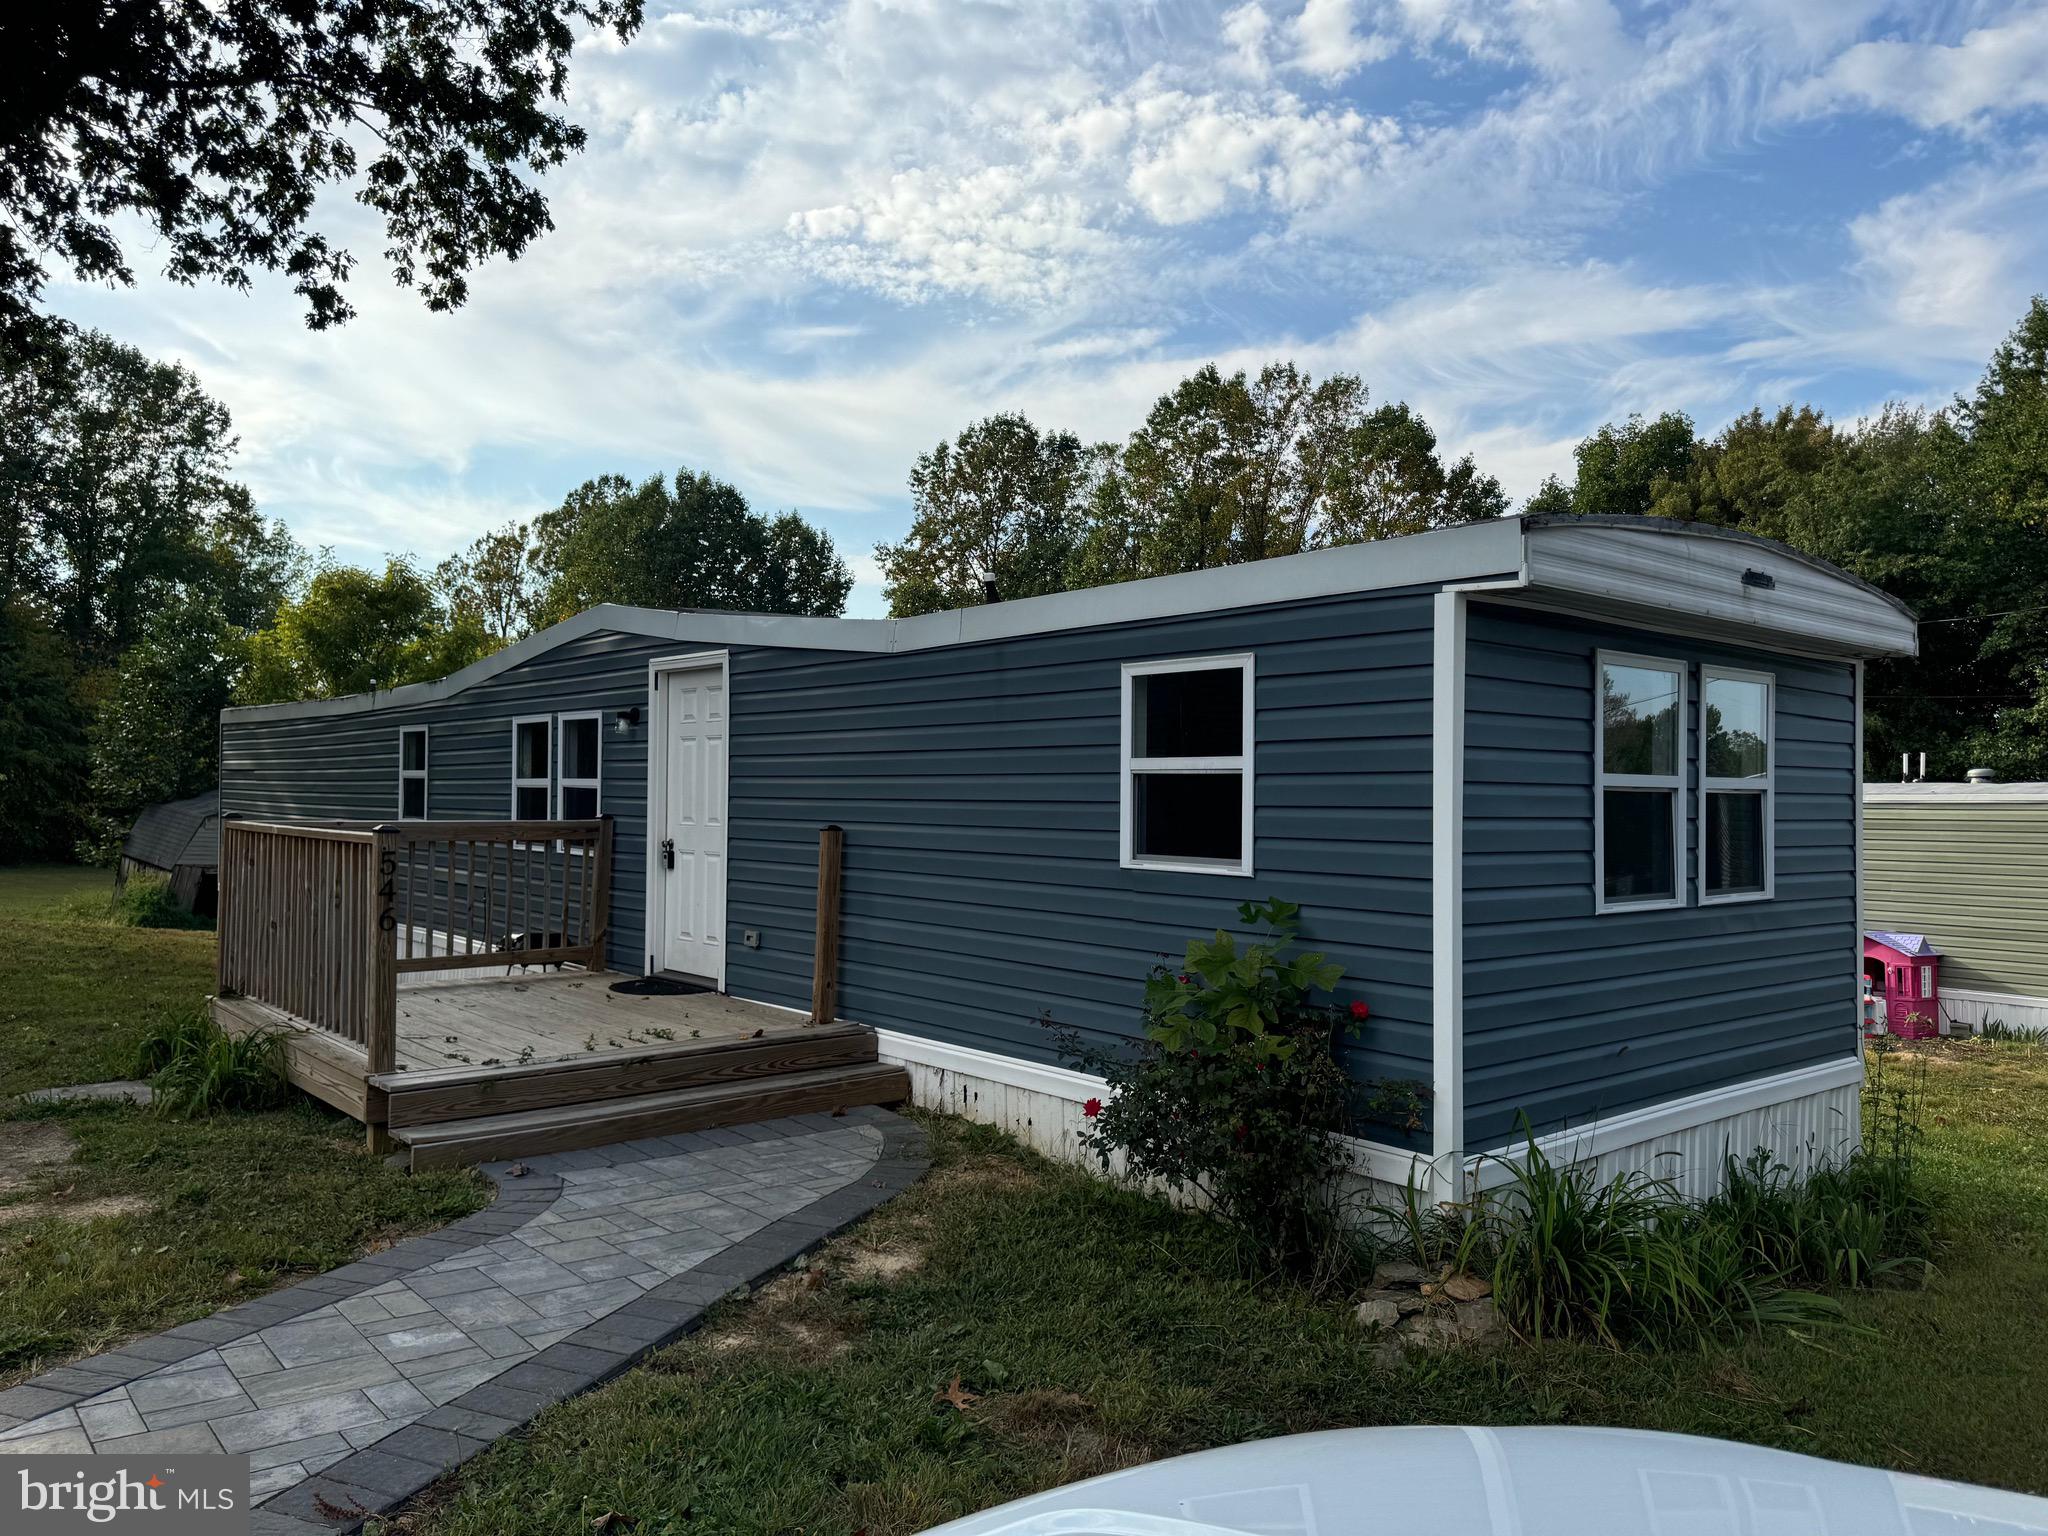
x,y
807,242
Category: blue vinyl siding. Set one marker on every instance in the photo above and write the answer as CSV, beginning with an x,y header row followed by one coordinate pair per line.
x,y
978,788
1571,1015
346,766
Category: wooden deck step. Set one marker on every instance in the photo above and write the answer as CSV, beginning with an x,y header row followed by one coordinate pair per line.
x,y
565,1127
465,1093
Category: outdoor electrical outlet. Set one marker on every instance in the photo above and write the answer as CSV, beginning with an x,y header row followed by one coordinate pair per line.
x,y
751,938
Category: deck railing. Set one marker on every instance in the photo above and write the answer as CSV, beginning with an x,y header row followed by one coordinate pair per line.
x,y
321,920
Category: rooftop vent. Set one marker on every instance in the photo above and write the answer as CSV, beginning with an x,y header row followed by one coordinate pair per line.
x,y
1981,776
1756,578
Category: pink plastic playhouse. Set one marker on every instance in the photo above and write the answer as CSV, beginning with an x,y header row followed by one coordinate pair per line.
x,y
1905,970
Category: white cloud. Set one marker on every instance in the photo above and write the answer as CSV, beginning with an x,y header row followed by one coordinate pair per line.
x,y
1328,43
1993,71
809,241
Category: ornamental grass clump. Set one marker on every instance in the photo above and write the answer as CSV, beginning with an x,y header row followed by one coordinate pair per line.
x,y
1235,1091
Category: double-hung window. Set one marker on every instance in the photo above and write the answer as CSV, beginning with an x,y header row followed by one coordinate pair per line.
x,y
532,756
579,775
1735,784
1639,789
1187,765
412,773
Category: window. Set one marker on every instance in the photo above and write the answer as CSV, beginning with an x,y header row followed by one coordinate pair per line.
x,y
1639,788
578,772
1187,752
412,773
532,748
1735,785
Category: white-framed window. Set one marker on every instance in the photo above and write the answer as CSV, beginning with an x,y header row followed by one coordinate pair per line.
x,y
412,773
1186,800
1639,726
532,757
579,739
1738,752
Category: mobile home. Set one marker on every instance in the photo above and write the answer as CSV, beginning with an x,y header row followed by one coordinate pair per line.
x,y
1573,801
1967,864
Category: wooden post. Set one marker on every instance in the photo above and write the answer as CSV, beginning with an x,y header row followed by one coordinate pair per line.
x,y
225,936
380,1033
825,953
600,911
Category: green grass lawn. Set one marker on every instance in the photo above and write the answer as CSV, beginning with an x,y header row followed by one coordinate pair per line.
x,y
1099,1329
116,1221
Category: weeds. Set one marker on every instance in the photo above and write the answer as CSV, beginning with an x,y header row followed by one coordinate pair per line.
x,y
197,1068
1629,1260
145,901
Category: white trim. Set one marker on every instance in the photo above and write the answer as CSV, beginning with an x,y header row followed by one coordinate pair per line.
x,y
545,783
1989,796
1591,1140
1242,765
1449,615
564,782
897,1047
1470,552
1378,1160
1651,572
1768,788
421,773
1856,855
657,793
1674,782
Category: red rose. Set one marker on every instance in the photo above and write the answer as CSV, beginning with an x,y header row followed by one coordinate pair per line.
x,y
1092,1108
1360,1012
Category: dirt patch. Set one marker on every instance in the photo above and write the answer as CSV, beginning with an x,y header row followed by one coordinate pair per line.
x,y
1066,1424
882,1261
786,1317
992,1175
74,1210
29,1146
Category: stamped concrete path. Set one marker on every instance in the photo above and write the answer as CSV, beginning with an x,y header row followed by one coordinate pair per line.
x,y
355,1389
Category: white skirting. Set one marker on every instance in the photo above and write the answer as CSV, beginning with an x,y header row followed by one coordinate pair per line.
x,y
1801,1116
1968,1012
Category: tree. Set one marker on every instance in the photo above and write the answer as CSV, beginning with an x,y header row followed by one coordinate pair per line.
x,y
157,733
42,740
1386,480
354,631
1226,470
694,546
492,581
1002,503
1623,469
217,127
117,491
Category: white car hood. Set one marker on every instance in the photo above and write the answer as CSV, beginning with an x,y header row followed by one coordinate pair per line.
x,y
1507,1482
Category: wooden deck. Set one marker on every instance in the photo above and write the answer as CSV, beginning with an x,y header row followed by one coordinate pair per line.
x,y
441,983
513,1021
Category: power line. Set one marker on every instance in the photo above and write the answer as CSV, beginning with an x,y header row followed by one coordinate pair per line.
x,y
2003,613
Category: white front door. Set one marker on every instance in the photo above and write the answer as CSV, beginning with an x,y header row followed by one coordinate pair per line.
x,y
693,885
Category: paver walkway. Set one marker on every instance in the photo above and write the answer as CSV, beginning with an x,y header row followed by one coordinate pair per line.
x,y
353,1390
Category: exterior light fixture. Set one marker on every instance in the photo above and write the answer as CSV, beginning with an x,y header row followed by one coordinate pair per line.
x,y
624,721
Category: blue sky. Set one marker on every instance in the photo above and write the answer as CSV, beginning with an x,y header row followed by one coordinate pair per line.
x,y
808,241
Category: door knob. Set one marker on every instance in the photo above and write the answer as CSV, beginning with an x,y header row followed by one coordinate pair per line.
x,y
668,852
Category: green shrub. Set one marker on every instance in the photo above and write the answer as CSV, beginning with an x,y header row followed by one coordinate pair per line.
x,y
146,901
1236,1089
197,1068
